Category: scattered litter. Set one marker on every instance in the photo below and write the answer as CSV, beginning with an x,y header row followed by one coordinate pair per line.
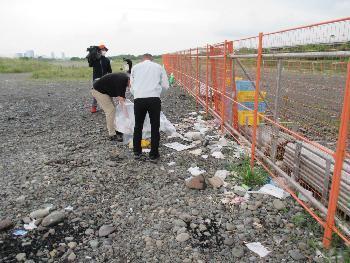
x,y
178,146
193,136
196,152
218,155
30,226
195,171
258,249
271,190
303,197
171,171
205,156
222,174
20,232
171,163
69,208
146,150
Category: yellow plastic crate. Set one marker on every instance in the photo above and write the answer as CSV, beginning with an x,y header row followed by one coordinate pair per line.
x,y
248,96
246,114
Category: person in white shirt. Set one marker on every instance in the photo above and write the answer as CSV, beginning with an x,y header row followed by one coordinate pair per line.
x,y
148,79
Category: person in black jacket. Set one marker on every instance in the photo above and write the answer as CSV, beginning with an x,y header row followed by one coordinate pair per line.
x,y
100,67
104,89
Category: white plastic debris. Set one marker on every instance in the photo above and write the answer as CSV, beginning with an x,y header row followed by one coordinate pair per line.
x,y
146,150
171,171
193,113
68,208
171,163
178,146
222,174
257,248
272,190
204,156
218,155
196,152
195,171
30,226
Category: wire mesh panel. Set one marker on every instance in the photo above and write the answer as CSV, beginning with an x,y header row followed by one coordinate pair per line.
x,y
287,94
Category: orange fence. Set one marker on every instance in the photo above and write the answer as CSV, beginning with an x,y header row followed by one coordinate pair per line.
x,y
286,95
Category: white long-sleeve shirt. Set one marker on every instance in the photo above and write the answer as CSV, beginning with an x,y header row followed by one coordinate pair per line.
x,y
148,79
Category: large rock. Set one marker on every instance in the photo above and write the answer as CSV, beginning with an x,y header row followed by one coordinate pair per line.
x,y
105,230
53,219
40,213
196,182
21,257
216,182
5,224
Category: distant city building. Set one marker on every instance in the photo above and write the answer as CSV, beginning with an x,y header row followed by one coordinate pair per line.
x,y
52,55
19,55
29,54
63,56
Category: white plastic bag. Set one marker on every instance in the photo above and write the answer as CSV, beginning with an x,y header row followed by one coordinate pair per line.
x,y
125,121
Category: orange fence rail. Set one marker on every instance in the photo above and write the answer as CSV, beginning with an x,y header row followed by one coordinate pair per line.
x,y
286,95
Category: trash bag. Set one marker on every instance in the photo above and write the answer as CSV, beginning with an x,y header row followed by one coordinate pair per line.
x,y
125,122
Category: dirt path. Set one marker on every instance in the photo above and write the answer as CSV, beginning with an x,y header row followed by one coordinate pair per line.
x,y
54,154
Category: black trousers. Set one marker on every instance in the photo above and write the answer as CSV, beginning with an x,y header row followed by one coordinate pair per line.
x,y
141,107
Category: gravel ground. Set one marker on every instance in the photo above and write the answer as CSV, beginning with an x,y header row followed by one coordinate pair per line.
x,y
104,206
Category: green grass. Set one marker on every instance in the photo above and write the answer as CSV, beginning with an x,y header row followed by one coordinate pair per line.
x,y
257,177
53,69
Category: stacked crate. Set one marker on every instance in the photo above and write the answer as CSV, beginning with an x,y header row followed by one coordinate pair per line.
x,y
245,96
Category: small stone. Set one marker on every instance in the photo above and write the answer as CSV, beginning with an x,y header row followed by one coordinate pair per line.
x,y
182,237
71,257
5,224
202,228
180,223
93,243
239,190
181,230
229,227
159,243
229,241
53,253
216,182
195,212
296,255
89,232
196,182
40,213
26,220
69,238
52,231
21,257
237,252
278,204
72,245
53,219
105,230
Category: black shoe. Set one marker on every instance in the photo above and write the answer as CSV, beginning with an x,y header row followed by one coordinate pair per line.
x,y
154,158
116,138
137,156
119,133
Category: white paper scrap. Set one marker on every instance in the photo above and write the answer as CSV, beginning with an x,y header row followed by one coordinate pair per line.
x,y
178,146
258,249
195,171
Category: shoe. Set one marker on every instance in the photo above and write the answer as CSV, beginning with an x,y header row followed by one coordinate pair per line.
x,y
137,156
93,109
154,158
119,133
116,138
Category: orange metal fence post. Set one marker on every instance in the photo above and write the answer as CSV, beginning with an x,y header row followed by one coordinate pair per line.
x,y
223,89
197,79
206,80
256,100
339,159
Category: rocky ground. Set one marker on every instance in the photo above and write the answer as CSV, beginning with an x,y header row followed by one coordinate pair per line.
x,y
88,200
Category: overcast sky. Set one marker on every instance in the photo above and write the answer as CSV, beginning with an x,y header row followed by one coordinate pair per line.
x,y
156,26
